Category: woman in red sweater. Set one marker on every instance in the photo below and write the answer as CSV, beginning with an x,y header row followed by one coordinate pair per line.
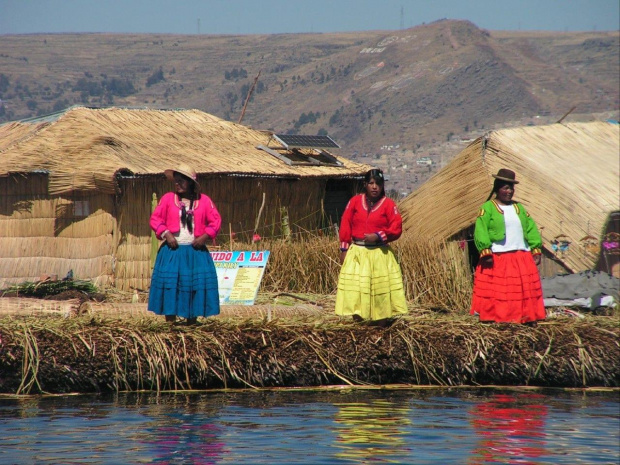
x,y
370,286
184,281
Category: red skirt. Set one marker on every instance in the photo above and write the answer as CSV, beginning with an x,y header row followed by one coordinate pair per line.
x,y
509,291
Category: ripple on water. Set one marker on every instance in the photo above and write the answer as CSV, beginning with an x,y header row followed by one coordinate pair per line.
x,y
475,426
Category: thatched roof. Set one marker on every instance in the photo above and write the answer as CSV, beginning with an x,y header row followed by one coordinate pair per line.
x,y
569,182
11,133
84,148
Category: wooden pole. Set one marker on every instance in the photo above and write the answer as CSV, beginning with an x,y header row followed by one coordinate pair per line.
x,y
566,114
260,212
154,240
247,99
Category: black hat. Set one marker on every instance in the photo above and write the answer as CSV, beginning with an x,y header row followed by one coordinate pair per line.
x,y
506,175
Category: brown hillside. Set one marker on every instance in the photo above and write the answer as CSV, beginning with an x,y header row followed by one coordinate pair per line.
x,y
388,97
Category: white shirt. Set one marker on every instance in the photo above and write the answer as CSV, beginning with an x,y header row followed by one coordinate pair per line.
x,y
514,232
184,237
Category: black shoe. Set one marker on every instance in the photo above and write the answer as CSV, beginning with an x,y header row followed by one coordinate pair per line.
x,y
383,323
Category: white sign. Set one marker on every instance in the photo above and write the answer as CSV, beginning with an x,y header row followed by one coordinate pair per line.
x,y
239,274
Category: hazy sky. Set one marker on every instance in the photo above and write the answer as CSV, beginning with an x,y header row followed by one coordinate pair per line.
x,y
278,16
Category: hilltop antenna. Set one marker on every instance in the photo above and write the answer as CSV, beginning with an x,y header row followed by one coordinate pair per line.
x,y
402,17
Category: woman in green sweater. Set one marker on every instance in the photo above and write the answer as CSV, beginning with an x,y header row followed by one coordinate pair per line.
x,y
507,284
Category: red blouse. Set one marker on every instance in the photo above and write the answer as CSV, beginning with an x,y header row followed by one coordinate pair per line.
x,y
359,219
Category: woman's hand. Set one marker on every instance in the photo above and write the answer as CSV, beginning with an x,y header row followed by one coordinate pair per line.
x,y
487,261
370,239
200,242
343,254
170,240
537,259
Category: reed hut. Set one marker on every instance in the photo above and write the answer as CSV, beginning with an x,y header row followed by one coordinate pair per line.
x,y
568,180
77,189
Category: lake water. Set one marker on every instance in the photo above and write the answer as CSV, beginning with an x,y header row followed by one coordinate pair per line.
x,y
425,426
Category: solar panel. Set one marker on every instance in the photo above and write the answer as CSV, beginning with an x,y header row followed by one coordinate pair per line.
x,y
296,141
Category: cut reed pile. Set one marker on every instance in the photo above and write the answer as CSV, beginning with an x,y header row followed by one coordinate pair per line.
x,y
435,273
48,288
90,354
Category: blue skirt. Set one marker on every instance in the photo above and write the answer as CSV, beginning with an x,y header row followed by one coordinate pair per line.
x,y
184,283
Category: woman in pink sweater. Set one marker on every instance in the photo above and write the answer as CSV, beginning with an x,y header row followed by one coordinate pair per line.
x,y
184,281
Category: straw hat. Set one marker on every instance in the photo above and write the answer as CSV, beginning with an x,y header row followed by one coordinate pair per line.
x,y
506,175
185,170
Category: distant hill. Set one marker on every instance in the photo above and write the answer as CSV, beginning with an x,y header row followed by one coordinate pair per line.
x,y
396,99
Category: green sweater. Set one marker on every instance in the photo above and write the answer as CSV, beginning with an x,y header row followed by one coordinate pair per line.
x,y
490,228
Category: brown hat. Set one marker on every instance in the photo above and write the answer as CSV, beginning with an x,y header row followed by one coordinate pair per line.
x,y
183,169
506,175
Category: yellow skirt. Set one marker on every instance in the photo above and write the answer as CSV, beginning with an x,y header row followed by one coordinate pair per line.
x,y
370,284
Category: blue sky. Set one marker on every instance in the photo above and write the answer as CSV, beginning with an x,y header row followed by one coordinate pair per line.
x,y
285,16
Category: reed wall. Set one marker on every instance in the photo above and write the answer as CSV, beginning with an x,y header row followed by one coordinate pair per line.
x,y
44,235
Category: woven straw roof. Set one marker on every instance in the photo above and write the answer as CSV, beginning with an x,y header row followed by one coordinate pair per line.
x,y
569,183
84,148
11,133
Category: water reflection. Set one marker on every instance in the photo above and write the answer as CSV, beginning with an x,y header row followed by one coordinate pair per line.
x,y
430,426
371,432
193,442
510,429
184,430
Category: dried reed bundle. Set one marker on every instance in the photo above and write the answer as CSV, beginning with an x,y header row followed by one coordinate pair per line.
x,y
19,306
260,312
308,264
435,273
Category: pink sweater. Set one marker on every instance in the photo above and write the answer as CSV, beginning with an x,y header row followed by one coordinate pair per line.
x,y
207,219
